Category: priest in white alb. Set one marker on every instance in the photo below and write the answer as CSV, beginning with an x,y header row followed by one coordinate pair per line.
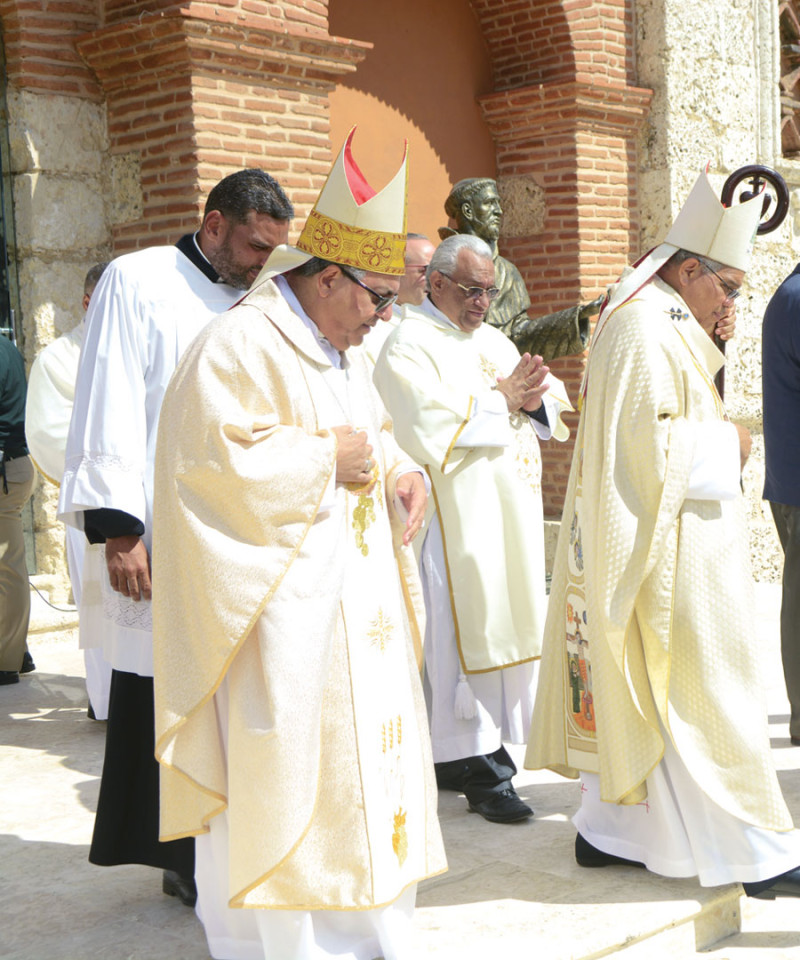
x,y
650,685
468,408
48,410
147,308
290,716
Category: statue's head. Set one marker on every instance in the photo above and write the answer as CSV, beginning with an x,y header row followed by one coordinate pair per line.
x,y
475,206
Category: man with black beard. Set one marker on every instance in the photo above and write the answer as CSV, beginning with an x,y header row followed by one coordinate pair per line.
x,y
146,310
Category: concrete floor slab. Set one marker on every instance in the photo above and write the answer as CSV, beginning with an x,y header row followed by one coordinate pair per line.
x,y
514,889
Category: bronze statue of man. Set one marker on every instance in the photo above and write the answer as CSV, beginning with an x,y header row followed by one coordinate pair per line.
x,y
475,206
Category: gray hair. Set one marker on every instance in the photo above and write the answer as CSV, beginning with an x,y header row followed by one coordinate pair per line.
x,y
445,257
679,256
316,265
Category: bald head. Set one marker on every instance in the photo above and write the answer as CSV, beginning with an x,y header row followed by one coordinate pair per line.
x,y
413,284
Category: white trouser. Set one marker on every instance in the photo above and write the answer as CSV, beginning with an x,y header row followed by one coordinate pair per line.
x,y
98,670
268,934
504,697
679,832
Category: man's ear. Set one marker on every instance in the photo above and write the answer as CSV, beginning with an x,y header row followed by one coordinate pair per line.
x,y
328,280
466,211
436,280
214,226
689,269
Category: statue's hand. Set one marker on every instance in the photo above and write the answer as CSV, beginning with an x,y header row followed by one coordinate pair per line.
x,y
524,387
586,310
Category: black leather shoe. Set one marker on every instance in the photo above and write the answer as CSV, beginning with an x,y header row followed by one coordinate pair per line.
x,y
28,666
502,807
784,885
795,741
589,856
8,676
174,885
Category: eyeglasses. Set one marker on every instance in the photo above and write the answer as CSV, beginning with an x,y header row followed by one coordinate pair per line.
x,y
474,293
731,293
380,300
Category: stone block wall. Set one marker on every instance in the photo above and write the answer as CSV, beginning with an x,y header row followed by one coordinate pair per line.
x,y
716,101
57,146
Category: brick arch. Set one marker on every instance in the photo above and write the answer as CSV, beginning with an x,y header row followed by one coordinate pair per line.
x,y
550,41
529,41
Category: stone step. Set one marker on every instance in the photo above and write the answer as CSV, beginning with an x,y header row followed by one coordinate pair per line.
x,y
518,885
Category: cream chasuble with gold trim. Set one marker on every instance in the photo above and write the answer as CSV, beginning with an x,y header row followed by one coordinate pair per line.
x,y
650,619
328,780
488,498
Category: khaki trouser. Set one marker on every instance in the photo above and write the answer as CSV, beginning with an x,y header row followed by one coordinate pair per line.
x,y
15,596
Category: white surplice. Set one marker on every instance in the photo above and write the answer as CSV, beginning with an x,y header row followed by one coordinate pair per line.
x,y
48,410
147,308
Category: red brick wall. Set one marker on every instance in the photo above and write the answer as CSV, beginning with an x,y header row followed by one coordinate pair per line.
x,y
39,38
547,41
196,89
198,95
199,89
309,14
565,115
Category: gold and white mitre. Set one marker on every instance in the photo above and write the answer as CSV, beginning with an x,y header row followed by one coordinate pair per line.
x,y
703,226
350,224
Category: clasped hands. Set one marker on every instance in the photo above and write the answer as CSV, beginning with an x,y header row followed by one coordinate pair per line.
x,y
524,387
354,464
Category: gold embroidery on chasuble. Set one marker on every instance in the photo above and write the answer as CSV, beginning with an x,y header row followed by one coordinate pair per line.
x,y
579,715
364,510
381,631
391,741
400,836
489,370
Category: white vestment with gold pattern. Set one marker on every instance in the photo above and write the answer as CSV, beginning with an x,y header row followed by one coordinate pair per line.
x,y
432,376
651,667
284,586
482,561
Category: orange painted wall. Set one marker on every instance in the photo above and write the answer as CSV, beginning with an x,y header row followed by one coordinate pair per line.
x,y
419,82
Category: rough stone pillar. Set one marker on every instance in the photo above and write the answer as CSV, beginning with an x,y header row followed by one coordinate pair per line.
x,y
57,148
